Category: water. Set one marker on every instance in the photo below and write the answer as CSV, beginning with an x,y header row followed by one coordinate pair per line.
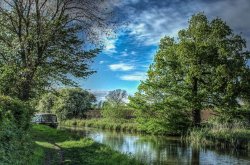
x,y
164,150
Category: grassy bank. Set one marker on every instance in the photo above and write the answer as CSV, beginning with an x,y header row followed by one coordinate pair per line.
x,y
119,125
231,135
60,147
228,135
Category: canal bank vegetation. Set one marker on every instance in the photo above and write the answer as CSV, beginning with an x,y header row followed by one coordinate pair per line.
x,y
233,134
61,147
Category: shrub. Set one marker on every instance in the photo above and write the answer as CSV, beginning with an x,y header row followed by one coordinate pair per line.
x,y
19,112
116,112
15,144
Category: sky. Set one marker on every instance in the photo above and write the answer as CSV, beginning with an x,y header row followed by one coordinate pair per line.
x,y
127,55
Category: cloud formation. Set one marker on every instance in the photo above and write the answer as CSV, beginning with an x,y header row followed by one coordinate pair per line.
x,y
109,45
151,20
121,67
136,76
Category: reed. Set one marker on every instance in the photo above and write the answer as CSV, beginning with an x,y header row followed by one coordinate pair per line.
x,y
232,134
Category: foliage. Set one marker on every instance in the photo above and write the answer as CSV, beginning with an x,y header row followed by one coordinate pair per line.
x,y
16,111
46,103
206,67
42,43
67,103
15,145
116,112
116,97
160,117
217,131
76,150
115,106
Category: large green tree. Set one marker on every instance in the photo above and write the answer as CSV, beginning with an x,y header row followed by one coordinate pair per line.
x,y
43,42
205,67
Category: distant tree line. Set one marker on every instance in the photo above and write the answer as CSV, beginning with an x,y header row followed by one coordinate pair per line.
x,y
115,106
67,103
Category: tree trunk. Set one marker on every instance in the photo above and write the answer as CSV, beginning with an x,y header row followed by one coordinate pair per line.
x,y
196,116
26,86
25,91
196,112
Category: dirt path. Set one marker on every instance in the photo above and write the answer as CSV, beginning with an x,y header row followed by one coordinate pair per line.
x,y
54,156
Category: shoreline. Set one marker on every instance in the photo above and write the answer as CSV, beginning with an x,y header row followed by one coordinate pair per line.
x,y
62,147
199,137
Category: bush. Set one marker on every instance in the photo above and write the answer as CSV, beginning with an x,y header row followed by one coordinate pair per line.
x,y
116,112
15,110
15,144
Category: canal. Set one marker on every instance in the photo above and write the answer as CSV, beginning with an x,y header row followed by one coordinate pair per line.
x,y
161,150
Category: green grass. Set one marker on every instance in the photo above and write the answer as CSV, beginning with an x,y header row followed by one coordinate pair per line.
x,y
233,134
118,125
58,146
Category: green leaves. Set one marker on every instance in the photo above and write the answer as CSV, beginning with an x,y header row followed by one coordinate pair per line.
x,y
204,68
115,107
41,41
67,103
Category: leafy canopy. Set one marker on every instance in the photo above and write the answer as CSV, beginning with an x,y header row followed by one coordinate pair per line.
x,y
44,43
205,67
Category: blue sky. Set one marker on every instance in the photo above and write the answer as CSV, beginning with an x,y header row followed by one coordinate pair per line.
x,y
127,55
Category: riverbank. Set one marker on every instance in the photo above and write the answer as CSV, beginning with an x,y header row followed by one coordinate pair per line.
x,y
61,147
228,135
152,149
119,125
233,135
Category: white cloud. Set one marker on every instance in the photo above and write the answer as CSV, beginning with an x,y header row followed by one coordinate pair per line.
x,y
121,67
101,62
149,26
137,76
126,53
109,45
133,52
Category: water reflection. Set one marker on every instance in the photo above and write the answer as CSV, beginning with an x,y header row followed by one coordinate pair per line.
x,y
163,150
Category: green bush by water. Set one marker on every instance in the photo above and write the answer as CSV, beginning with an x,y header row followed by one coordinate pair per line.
x,y
232,134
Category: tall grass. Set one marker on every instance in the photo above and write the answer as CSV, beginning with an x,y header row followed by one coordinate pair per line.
x,y
118,125
228,134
